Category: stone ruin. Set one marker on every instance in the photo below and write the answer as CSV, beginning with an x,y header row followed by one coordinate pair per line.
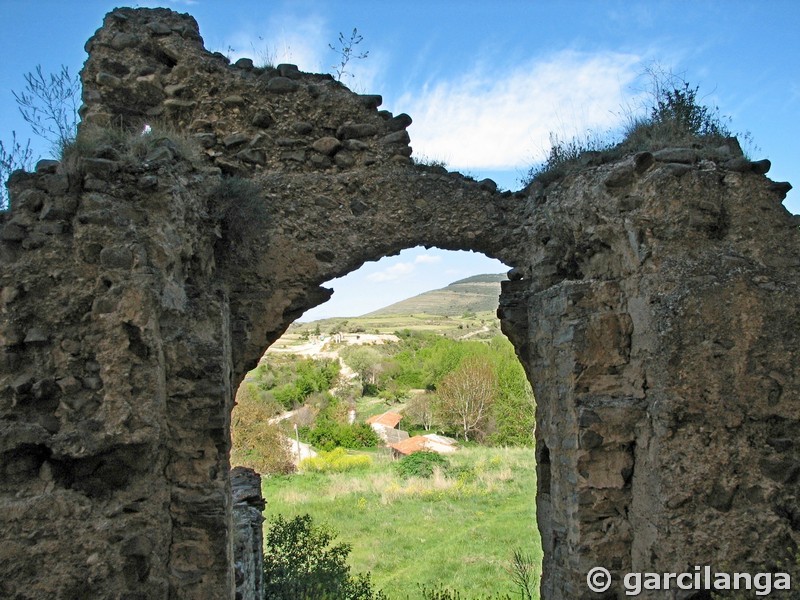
x,y
654,302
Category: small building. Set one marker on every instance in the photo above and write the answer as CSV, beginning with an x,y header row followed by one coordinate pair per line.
x,y
385,426
428,443
388,419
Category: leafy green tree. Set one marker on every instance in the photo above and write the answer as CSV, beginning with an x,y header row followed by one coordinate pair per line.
x,y
514,409
367,362
302,563
328,434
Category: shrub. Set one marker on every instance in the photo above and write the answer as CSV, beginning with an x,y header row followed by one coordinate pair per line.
x,y
420,464
674,116
14,157
565,154
152,142
440,593
337,460
301,564
237,205
257,443
328,434
49,104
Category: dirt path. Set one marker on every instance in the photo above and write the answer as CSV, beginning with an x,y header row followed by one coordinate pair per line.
x,y
483,329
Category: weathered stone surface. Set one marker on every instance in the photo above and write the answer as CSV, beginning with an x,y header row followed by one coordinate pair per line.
x,y
282,85
654,304
248,538
327,145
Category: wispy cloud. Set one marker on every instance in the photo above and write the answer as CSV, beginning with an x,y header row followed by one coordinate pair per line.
x,y
427,259
402,270
392,273
491,119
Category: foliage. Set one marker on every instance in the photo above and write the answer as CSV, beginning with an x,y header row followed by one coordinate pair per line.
x,y
427,161
337,460
674,115
300,563
49,104
466,396
135,144
328,435
524,574
236,203
423,530
420,464
565,154
310,376
13,158
420,411
347,51
291,380
257,443
513,416
444,593
367,362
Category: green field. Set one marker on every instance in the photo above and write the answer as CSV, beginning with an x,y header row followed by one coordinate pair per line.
x,y
477,325
458,531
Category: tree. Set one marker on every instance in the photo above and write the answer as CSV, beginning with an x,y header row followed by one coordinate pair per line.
x,y
420,410
514,410
301,564
255,442
466,396
367,362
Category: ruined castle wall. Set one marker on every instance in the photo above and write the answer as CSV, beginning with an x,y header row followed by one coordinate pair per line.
x,y
653,305
658,325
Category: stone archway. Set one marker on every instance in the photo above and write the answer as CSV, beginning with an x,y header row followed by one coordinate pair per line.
x,y
653,303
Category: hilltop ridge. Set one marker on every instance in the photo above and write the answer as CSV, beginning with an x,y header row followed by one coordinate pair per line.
x,y
478,293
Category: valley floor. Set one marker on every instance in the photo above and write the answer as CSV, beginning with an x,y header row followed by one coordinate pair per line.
x,y
458,531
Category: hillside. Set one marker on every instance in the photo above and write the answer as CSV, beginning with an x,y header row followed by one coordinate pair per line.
x,y
471,295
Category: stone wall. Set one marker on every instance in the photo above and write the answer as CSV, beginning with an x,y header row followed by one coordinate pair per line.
x,y
248,534
654,305
658,324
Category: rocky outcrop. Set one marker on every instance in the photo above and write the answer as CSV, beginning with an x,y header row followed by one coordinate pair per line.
x,y
652,304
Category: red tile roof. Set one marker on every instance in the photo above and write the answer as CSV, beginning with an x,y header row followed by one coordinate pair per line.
x,y
411,445
387,419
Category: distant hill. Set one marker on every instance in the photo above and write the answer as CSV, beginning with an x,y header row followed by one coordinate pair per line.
x,y
478,293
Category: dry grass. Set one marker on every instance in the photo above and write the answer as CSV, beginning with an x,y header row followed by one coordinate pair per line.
x,y
422,531
146,142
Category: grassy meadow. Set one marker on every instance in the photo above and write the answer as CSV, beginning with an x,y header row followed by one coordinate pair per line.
x,y
457,530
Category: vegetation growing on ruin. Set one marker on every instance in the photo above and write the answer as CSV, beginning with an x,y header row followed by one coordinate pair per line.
x,y
673,116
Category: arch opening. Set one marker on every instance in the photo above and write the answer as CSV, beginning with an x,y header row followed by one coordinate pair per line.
x,y
391,355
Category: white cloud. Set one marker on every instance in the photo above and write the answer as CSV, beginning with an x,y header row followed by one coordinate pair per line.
x,y
396,271
490,119
427,259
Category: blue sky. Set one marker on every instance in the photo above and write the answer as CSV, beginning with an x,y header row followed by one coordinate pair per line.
x,y
486,83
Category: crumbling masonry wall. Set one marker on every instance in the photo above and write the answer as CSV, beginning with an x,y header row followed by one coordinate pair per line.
x,y
653,303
